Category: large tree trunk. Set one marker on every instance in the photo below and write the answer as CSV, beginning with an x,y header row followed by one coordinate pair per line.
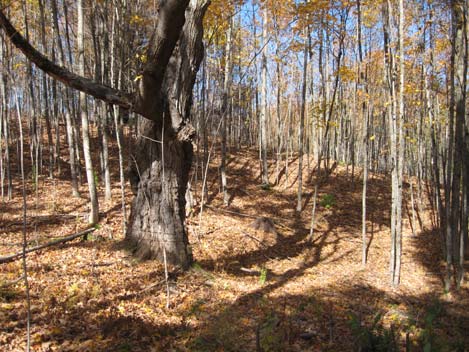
x,y
163,156
161,171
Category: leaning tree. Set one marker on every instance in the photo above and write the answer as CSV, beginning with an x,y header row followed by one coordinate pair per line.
x,y
163,151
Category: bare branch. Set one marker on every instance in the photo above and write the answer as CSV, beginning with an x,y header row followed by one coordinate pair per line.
x,y
86,85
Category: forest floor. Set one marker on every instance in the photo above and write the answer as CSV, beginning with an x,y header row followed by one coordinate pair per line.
x,y
240,295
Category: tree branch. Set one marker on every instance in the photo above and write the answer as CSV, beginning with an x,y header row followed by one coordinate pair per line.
x,y
86,85
16,256
147,101
171,19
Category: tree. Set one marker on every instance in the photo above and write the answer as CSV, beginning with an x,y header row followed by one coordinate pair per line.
x,y
456,220
396,120
263,114
94,212
163,153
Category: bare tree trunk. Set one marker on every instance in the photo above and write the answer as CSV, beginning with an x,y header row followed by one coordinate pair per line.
x,y
163,155
299,203
94,212
390,71
25,240
46,94
224,111
263,115
401,147
458,100
364,118
68,118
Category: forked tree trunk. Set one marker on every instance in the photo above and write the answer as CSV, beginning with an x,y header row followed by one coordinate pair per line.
x,y
163,156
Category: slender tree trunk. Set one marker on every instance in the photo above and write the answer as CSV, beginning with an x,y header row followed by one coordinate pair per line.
x,y
299,203
25,240
364,118
225,109
263,115
390,71
401,146
458,98
94,211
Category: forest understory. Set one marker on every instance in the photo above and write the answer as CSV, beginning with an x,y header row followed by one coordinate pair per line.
x,y
246,291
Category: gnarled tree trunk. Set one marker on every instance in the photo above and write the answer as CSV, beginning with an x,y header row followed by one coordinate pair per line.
x,y
163,155
160,173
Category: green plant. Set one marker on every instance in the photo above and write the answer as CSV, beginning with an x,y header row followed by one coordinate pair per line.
x,y
7,294
198,269
124,347
96,178
196,307
263,276
327,201
373,338
269,333
428,338
266,186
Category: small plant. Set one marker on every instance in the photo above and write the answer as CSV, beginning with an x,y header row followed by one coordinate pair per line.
x,y
124,347
263,276
7,294
428,339
375,338
196,307
96,178
327,201
270,334
266,186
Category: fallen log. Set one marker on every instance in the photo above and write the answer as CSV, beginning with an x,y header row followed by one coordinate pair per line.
x,y
17,256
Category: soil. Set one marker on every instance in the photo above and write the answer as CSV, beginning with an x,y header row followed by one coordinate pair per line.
x,y
240,295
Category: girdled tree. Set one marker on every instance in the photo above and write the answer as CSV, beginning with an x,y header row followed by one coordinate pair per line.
x,y
163,154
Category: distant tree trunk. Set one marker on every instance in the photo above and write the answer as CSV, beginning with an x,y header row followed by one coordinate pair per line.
x,y
34,130
401,145
6,171
299,203
68,117
364,119
94,211
25,239
71,151
45,94
287,143
263,115
105,137
394,121
225,110
435,172
278,112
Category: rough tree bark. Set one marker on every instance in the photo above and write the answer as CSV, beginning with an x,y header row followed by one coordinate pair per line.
x,y
163,154
454,221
